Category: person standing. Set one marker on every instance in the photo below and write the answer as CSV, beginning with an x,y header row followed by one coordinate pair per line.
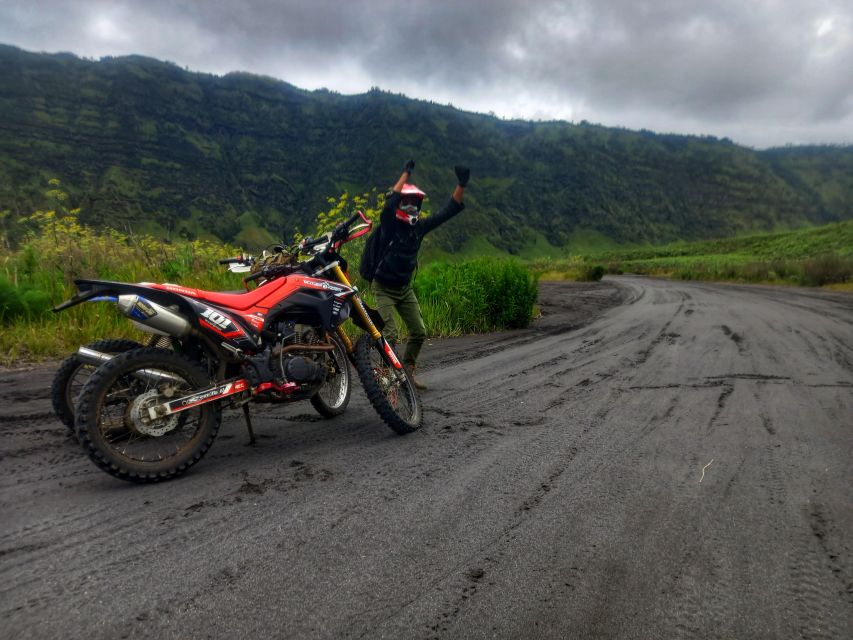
x,y
402,231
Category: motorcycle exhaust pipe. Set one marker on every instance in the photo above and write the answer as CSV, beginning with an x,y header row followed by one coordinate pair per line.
x,y
96,358
153,317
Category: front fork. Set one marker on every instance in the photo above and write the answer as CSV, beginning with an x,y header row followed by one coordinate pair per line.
x,y
390,356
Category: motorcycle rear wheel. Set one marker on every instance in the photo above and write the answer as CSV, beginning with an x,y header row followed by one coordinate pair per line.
x,y
114,427
391,391
73,373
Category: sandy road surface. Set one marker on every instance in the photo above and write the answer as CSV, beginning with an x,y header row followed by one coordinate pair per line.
x,y
680,466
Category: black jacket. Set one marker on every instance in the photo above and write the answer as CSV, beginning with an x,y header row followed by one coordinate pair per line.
x,y
401,241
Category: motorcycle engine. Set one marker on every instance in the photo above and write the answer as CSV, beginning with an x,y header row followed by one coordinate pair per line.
x,y
303,368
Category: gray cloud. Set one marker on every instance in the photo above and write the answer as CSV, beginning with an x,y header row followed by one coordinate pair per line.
x,y
763,72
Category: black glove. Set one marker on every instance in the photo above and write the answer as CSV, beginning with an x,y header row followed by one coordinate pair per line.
x,y
462,175
409,167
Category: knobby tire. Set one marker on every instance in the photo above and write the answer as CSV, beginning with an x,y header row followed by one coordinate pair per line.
x,y
93,399
65,388
366,345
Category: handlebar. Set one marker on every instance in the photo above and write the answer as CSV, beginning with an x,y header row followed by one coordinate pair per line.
x,y
355,216
255,276
271,271
342,230
307,243
344,226
333,239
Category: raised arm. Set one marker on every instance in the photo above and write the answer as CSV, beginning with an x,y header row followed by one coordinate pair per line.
x,y
393,198
463,174
404,177
454,205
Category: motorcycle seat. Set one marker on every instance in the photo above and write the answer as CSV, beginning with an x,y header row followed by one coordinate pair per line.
x,y
240,300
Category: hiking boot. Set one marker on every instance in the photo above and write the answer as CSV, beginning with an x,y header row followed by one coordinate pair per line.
x,y
418,384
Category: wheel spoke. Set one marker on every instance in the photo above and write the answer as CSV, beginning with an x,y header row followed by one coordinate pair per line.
x,y
127,428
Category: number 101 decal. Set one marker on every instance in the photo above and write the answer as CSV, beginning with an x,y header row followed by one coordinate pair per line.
x,y
217,319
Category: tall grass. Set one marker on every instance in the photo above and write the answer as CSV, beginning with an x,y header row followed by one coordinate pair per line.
x,y
576,268
481,295
817,271
58,250
809,257
476,296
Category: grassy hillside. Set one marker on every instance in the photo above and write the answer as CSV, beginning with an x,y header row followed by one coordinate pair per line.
x,y
804,243
147,146
811,257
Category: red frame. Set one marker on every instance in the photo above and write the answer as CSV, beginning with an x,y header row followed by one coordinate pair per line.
x,y
252,306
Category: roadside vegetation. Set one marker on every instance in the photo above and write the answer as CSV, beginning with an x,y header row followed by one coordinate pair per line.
x,y
58,249
472,296
820,256
578,268
457,296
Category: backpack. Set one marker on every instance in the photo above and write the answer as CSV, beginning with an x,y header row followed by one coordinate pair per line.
x,y
373,254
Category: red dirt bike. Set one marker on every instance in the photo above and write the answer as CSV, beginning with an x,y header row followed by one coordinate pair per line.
x,y
149,414
74,371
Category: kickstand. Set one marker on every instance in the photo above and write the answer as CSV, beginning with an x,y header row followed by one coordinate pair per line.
x,y
249,423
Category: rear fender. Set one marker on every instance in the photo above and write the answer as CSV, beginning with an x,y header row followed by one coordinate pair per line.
x,y
89,290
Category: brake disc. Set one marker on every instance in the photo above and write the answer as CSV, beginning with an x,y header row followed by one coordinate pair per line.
x,y
141,419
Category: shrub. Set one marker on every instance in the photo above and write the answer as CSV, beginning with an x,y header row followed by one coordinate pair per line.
x,y
575,268
756,272
784,270
827,269
592,273
476,296
21,302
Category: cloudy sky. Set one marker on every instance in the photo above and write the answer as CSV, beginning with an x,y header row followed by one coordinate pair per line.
x,y
762,72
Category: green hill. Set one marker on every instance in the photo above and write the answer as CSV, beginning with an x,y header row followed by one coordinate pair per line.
x,y
147,145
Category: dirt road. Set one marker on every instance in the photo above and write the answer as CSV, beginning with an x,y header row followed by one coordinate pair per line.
x,y
653,459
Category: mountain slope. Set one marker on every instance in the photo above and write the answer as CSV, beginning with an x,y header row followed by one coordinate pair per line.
x,y
146,144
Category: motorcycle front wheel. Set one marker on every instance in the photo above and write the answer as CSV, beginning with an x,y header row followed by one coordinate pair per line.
x,y
333,397
115,427
390,390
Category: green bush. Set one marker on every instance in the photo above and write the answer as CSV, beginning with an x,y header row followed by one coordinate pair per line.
x,y
827,269
476,296
592,273
783,270
21,302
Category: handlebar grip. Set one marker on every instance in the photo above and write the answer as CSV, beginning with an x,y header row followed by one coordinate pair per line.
x,y
307,243
343,227
254,276
231,260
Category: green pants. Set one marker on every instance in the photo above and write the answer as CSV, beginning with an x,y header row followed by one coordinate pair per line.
x,y
404,301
